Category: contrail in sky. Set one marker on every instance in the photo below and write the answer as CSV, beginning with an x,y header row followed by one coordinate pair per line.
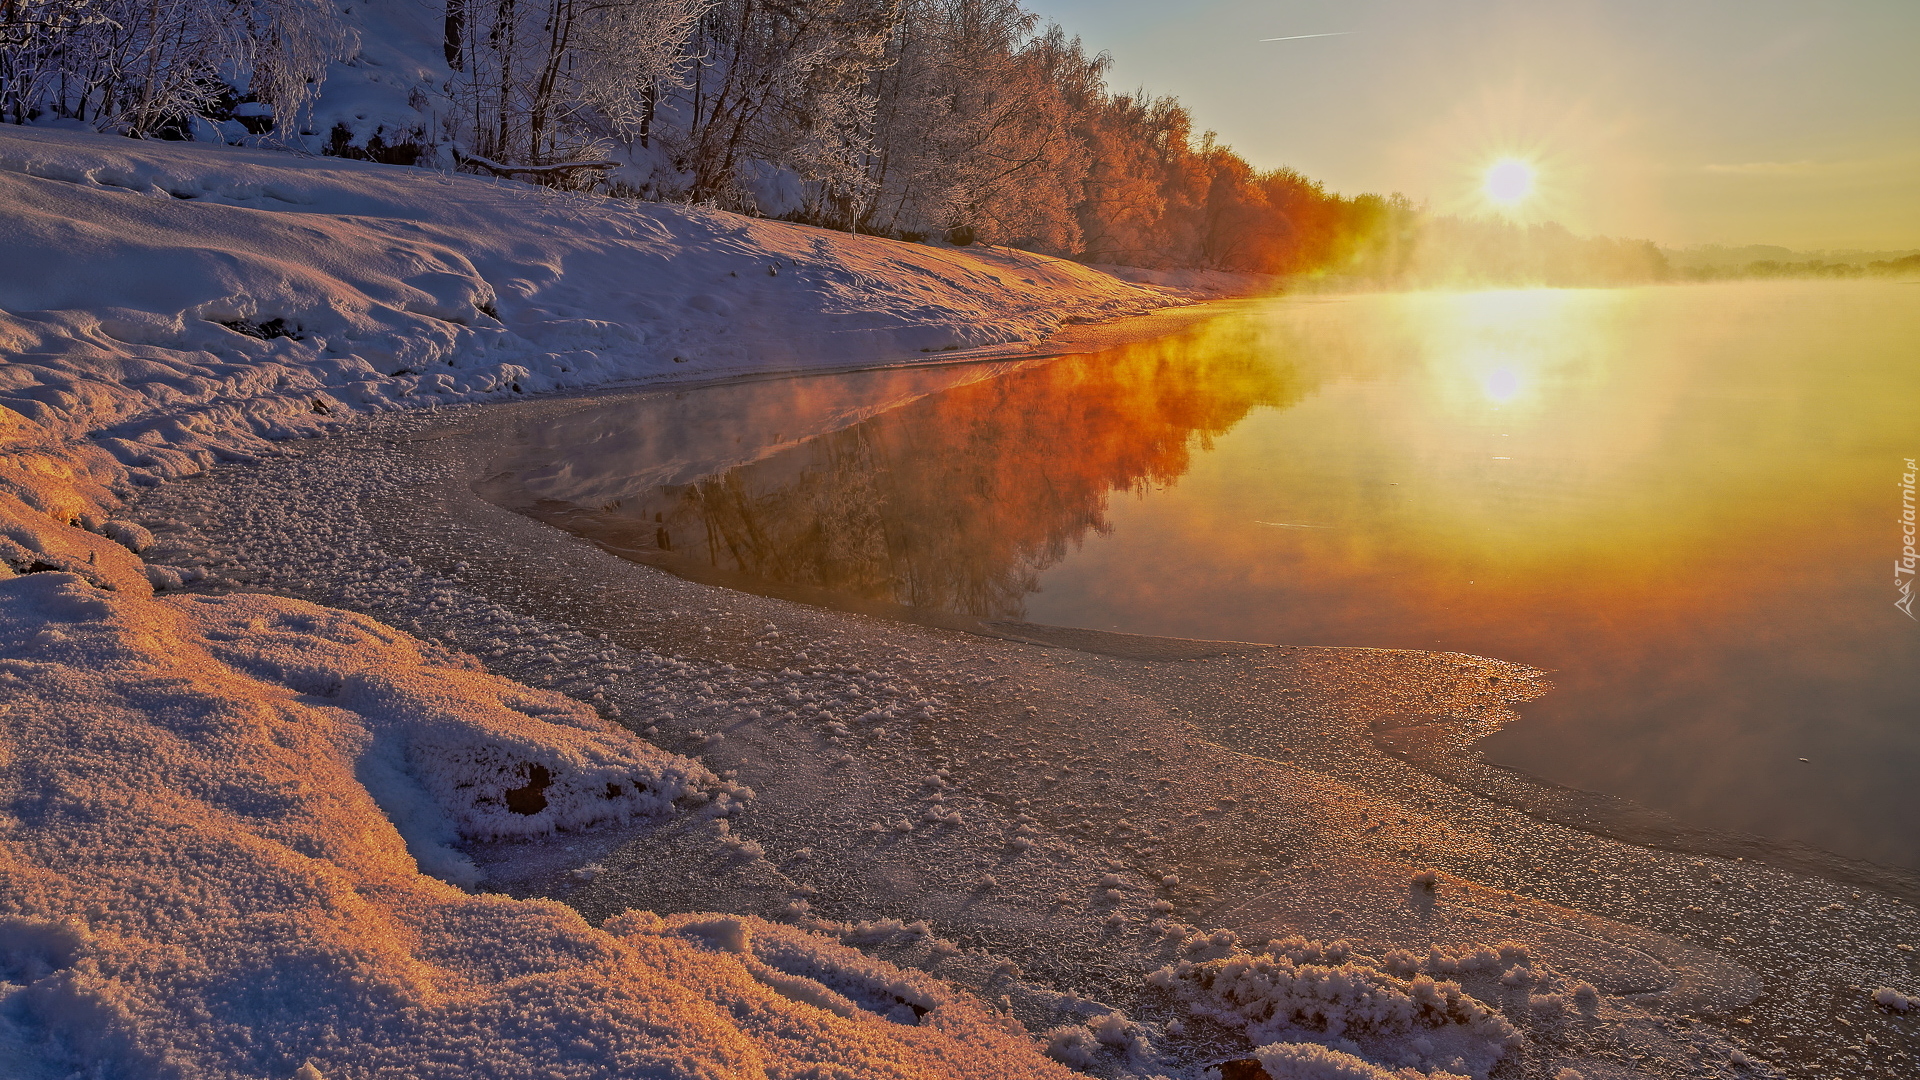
x,y
1298,37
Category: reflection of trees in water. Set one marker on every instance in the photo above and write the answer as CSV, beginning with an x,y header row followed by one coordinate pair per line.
x,y
960,501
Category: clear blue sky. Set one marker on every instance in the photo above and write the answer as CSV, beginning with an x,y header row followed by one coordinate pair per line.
x,y
1792,122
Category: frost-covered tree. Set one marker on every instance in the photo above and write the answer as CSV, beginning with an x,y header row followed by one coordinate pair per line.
x,y
539,81
954,120
782,92
144,66
1140,180
974,135
627,53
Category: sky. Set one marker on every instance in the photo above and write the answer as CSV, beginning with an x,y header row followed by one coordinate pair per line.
x,y
1790,122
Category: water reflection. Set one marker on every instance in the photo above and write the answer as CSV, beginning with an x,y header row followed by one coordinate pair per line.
x,y
950,491
1680,500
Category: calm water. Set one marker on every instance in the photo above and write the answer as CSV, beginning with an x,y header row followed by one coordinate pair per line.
x,y
1683,501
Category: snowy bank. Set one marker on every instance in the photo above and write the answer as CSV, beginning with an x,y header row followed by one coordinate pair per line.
x,y
166,306
151,288
221,809
230,850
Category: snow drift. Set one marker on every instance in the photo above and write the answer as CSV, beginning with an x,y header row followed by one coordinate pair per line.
x,y
1294,990
220,807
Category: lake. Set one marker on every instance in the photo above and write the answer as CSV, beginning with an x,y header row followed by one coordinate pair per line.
x,y
1685,502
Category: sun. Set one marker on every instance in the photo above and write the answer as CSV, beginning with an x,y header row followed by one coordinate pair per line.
x,y
1508,181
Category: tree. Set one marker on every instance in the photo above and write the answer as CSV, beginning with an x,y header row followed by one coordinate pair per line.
x,y
779,86
146,66
974,136
541,81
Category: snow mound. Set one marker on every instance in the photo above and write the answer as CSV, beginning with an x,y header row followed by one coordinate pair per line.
x,y
1888,998
1269,995
1296,990
494,758
220,807
33,542
1311,1061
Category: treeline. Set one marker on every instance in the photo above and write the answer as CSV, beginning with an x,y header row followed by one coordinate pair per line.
x,y
975,123
1810,268
956,121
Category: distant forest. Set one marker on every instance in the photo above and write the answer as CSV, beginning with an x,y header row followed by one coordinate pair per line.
x,y
1759,262
955,121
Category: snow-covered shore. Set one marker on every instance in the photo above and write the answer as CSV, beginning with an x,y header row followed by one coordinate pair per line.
x,y
1068,812
170,299
229,850
252,829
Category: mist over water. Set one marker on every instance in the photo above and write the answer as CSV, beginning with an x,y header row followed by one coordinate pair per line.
x,y
1682,501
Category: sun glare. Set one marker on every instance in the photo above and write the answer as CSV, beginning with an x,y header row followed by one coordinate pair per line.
x,y
1501,385
1509,180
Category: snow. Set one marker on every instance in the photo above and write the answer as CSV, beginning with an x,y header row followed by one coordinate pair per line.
x,y
1297,987
235,821
162,296
1310,1061
248,834
1201,284
226,811
1888,997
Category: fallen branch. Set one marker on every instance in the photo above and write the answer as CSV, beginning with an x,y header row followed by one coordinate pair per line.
x,y
556,169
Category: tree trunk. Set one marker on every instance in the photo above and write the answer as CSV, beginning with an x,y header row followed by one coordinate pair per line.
x,y
455,34
504,37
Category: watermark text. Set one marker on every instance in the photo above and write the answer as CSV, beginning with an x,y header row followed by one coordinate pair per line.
x,y
1903,567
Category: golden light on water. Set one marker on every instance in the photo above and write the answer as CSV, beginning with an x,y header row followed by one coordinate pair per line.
x,y
1589,479
1508,181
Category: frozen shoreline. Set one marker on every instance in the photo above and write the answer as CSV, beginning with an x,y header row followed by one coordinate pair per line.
x,y
1506,875
1353,823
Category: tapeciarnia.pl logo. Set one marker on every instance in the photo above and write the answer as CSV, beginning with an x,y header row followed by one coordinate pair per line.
x,y
1903,566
